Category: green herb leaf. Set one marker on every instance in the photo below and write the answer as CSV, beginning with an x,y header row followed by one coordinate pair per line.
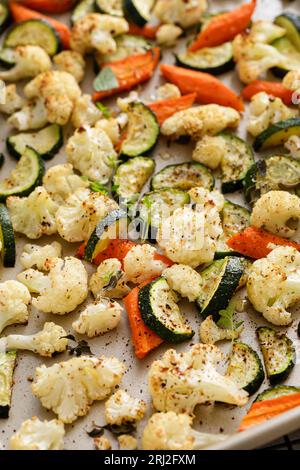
x,y
105,80
226,317
99,188
104,110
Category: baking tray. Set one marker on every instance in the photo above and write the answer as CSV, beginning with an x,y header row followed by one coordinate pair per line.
x,y
213,418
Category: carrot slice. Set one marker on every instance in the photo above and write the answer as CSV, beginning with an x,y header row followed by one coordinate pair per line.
x,y
49,6
271,88
207,87
147,31
130,72
20,13
224,27
264,410
257,243
166,108
144,340
116,249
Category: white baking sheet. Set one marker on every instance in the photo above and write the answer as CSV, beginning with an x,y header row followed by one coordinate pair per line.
x,y
214,418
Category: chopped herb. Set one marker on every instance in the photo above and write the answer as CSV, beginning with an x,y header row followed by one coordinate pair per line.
x,y
99,188
104,110
226,317
82,347
105,80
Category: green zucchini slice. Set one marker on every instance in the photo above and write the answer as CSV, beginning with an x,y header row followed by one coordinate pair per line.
x,y
7,366
183,176
287,49
46,142
214,60
131,177
245,368
127,45
161,313
291,23
27,175
278,352
4,16
35,33
138,11
7,238
82,9
220,281
142,131
110,7
277,134
277,392
235,219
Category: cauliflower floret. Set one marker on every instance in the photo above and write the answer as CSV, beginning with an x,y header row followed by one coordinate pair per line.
x,y
167,34
98,318
274,284
127,442
167,91
51,340
186,13
58,91
37,256
12,100
124,103
278,212
62,289
71,62
91,152
202,196
38,435
83,210
34,215
110,280
184,280
200,120
293,145
121,408
102,443
111,127
140,264
211,333
171,431
266,110
209,151
292,82
96,32
85,112
61,182
31,117
15,299
29,62
69,388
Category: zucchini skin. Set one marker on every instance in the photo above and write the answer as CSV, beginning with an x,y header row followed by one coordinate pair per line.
x,y
133,14
7,238
223,66
277,392
6,17
294,20
282,129
219,70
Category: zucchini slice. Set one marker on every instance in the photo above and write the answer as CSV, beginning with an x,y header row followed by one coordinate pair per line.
x,y
7,58
4,16
35,33
142,131
288,50
27,174
131,177
291,23
110,7
127,45
245,368
46,142
235,219
237,159
277,392
277,134
2,160
214,60
138,11
82,9
7,366
161,313
278,352
7,238
183,176
109,228
220,281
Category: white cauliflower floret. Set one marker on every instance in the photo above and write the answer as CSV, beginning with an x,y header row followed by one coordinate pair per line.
x,y
278,212
266,110
102,443
111,127
98,318
292,82
293,145
58,92
200,120
266,32
211,333
167,34
96,32
29,61
127,442
140,264
91,152
209,151
202,196
109,280
38,435
15,299
171,431
34,215
184,280
179,382
61,182
37,256
121,408
30,117
71,62
12,100
52,339
186,13
167,91
274,284
62,289
82,211
69,388
124,103
85,112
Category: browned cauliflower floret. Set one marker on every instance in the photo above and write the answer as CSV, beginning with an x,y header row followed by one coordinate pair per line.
x,y
71,62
